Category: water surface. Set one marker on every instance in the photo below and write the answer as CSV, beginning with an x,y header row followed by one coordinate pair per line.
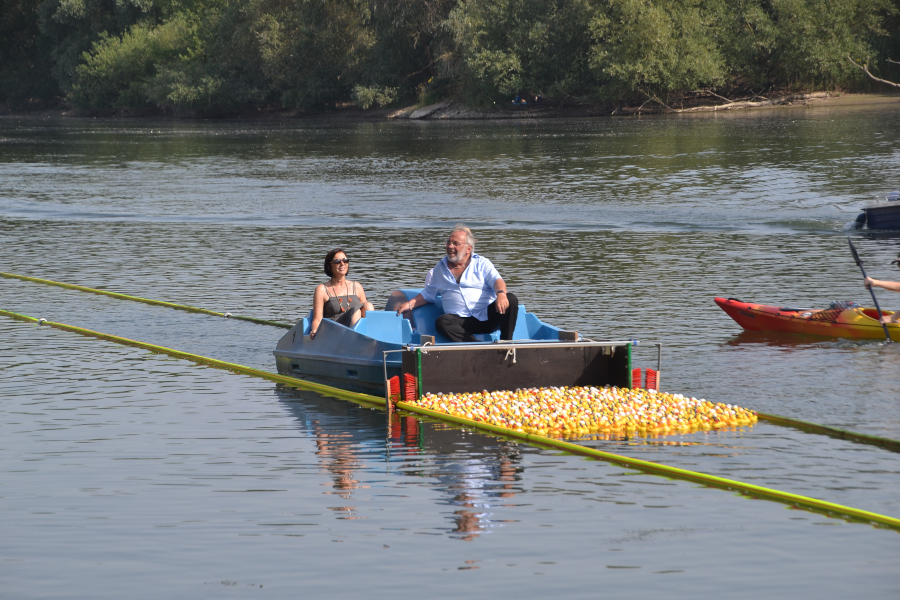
x,y
126,470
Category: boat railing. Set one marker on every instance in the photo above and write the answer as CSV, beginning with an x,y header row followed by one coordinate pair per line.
x,y
498,344
510,347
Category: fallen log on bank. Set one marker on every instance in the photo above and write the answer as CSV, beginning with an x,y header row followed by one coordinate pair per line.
x,y
787,100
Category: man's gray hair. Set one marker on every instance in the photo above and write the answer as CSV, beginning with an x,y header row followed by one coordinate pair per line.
x,y
470,239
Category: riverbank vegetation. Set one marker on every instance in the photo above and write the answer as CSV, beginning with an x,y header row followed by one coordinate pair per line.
x,y
220,56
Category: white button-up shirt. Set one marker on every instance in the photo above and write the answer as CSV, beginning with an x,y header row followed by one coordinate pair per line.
x,y
472,295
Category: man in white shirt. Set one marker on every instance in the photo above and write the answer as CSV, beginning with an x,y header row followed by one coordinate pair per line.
x,y
473,293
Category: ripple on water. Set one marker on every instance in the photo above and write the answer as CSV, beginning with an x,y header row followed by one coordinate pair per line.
x,y
125,468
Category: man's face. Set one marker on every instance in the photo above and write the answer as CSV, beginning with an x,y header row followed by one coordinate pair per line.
x,y
458,251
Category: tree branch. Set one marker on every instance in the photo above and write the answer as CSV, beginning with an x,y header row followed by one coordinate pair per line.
x,y
653,98
711,93
865,69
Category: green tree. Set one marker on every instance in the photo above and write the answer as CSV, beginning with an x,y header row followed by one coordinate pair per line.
x,y
72,27
502,47
25,67
212,56
409,38
814,37
656,48
119,71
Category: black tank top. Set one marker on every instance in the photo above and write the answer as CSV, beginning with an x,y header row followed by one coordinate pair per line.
x,y
336,305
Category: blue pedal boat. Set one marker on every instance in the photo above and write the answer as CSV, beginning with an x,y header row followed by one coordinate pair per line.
x,y
383,345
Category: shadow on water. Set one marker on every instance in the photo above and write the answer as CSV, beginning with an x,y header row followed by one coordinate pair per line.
x,y
472,472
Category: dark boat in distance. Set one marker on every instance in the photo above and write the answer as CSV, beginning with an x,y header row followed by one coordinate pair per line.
x,y
383,345
883,214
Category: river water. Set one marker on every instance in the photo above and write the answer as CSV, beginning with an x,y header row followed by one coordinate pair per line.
x,y
128,472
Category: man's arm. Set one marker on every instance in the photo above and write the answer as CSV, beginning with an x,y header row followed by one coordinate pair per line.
x,y
502,300
419,300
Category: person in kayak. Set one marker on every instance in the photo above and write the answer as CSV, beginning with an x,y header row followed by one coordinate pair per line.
x,y
892,286
473,293
340,300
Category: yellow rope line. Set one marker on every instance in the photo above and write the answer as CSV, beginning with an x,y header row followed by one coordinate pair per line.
x,y
813,504
843,434
193,309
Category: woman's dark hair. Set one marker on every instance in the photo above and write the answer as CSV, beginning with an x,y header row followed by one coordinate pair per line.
x,y
330,257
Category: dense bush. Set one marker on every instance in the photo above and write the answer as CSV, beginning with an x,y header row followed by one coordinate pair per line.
x,y
503,47
640,49
365,97
212,56
25,65
654,49
120,71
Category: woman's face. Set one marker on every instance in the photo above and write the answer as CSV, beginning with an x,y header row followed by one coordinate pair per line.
x,y
340,264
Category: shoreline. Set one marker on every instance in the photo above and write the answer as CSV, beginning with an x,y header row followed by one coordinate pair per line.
x,y
452,110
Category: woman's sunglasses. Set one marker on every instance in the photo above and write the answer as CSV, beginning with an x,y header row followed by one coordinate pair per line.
x,y
338,261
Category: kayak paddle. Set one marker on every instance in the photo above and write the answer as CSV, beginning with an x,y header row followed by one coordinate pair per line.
x,y
871,291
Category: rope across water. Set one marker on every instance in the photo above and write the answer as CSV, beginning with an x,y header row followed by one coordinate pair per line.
x,y
119,296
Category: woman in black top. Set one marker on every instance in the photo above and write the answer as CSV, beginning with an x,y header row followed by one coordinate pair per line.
x,y
340,299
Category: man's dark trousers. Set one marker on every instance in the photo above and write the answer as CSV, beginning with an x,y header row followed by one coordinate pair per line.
x,y
460,329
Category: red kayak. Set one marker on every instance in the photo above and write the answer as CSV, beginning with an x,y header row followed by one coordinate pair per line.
x,y
838,321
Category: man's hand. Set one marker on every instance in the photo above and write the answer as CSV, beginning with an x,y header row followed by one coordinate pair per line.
x,y
868,282
419,300
502,302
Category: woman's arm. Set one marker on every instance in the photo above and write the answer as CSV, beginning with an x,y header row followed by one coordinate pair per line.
x,y
366,305
892,286
319,299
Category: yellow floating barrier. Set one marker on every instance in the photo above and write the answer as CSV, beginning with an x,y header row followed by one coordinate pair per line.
x,y
118,296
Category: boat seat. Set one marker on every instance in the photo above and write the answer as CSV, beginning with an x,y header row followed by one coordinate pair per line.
x,y
527,325
385,326
307,322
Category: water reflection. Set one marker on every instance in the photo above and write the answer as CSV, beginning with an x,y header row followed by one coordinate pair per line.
x,y
472,523
475,486
472,472
781,339
337,457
